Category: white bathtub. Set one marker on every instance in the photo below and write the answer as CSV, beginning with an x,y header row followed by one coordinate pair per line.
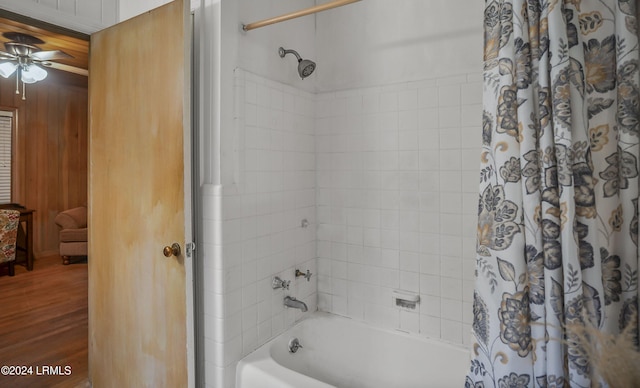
x,y
340,352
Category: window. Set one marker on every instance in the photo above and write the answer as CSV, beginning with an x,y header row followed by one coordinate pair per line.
x,y
6,136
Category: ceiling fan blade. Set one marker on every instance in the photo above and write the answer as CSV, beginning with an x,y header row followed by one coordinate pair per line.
x,y
50,55
67,68
5,55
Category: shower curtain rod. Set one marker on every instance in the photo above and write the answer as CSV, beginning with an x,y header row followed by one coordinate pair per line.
x,y
297,14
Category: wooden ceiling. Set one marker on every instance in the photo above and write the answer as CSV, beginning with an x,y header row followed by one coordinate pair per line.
x,y
55,38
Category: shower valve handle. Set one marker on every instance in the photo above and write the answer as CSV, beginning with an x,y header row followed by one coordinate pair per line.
x,y
279,283
306,275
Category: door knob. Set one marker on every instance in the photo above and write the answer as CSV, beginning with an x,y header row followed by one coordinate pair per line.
x,y
173,250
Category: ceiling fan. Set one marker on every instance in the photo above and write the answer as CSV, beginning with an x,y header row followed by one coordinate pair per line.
x,y
23,57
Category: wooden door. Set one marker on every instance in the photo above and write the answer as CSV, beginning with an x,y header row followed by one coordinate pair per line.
x,y
138,120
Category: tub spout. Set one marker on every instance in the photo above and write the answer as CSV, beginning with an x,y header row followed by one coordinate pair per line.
x,y
290,301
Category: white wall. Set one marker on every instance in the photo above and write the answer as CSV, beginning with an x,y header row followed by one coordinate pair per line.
x,y
129,9
258,49
86,16
379,42
257,52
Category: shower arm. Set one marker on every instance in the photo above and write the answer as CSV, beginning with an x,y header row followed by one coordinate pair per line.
x,y
297,14
284,52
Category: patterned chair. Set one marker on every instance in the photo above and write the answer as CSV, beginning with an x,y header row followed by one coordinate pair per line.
x,y
9,221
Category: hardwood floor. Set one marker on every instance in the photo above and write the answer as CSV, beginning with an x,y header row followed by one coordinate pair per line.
x,y
43,322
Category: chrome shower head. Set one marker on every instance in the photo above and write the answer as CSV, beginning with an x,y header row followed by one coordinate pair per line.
x,y
305,66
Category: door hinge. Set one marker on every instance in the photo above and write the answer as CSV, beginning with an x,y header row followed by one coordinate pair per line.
x,y
190,247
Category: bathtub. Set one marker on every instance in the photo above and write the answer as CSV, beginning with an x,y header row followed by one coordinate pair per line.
x,y
341,352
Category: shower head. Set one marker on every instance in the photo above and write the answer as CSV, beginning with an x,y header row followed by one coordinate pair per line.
x,y
305,66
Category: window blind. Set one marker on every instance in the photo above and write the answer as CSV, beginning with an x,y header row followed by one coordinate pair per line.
x,y
6,123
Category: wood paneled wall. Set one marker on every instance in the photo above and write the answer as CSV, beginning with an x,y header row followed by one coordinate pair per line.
x,y
50,157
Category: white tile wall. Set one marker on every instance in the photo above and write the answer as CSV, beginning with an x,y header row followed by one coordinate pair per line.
x,y
388,179
255,225
396,203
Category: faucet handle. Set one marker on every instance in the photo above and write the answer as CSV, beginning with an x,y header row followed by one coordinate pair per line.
x,y
306,275
279,283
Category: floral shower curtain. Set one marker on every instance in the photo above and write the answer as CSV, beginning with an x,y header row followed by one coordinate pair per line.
x,y
558,209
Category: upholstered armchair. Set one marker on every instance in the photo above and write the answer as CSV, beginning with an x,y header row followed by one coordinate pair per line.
x,y
9,221
73,233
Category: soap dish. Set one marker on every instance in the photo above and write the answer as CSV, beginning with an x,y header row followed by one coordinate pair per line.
x,y
406,299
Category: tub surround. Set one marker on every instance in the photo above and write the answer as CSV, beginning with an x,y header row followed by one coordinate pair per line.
x,y
396,203
428,48
386,179
257,224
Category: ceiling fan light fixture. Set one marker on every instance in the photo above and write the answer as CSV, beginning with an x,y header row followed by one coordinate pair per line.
x,y
32,74
7,68
26,60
